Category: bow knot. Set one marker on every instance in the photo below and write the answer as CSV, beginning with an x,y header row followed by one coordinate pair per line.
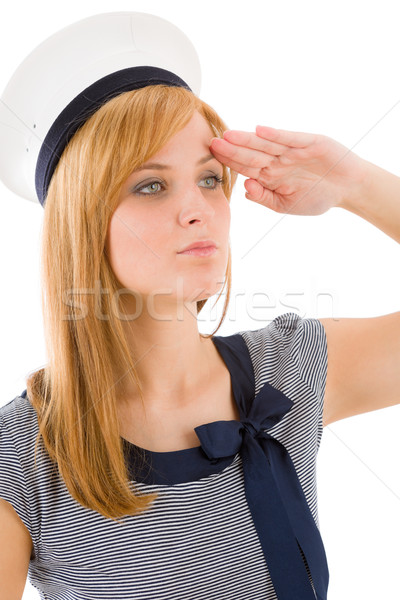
x,y
221,439
252,428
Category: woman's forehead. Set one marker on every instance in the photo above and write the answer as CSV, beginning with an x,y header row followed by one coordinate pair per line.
x,y
196,134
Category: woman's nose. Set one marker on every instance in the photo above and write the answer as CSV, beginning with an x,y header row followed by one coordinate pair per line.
x,y
196,206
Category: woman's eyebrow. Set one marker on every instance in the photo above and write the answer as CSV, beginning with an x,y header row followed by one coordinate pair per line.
x,y
160,166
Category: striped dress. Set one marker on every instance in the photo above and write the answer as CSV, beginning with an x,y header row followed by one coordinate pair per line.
x,y
198,540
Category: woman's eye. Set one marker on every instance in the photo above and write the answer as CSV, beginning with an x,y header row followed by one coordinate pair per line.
x,y
210,181
151,186
213,180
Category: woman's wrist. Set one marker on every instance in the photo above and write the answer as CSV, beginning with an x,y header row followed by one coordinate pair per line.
x,y
356,195
375,197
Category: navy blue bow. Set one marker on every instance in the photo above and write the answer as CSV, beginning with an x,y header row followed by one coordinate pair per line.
x,y
281,515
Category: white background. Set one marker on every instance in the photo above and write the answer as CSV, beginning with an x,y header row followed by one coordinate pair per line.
x,y
320,67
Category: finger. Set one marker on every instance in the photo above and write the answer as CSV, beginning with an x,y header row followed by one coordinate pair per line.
x,y
236,166
254,189
252,140
257,193
296,139
254,159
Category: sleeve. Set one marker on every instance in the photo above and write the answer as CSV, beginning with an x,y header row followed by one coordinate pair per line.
x,y
305,341
13,484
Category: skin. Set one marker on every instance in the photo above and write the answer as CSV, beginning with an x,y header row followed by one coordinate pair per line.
x,y
146,233
293,172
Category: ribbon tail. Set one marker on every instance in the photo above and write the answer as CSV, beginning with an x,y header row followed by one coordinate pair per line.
x,y
281,550
301,519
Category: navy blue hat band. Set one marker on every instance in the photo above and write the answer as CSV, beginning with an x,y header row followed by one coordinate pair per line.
x,y
84,106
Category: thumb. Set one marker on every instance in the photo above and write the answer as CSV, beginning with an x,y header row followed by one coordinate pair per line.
x,y
254,190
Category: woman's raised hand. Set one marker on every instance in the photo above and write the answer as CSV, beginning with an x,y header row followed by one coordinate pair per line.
x,y
293,172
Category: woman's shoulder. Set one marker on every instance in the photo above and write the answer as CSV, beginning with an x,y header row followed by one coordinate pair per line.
x,y
286,330
288,337
290,352
18,413
18,426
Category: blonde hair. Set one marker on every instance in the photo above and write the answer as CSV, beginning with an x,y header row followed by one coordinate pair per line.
x,y
75,394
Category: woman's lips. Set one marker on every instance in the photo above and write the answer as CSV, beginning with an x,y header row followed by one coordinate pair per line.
x,y
206,251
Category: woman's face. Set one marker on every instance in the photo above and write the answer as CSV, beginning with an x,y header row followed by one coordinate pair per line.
x,y
163,209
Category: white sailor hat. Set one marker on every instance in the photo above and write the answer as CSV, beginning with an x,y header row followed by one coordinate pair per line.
x,y
74,72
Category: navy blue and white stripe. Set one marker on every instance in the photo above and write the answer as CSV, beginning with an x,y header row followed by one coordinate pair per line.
x,y
198,540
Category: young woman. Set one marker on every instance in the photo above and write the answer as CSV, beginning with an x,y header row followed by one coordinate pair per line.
x,y
173,464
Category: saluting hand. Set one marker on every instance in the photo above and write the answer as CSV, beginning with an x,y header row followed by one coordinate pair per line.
x,y
293,172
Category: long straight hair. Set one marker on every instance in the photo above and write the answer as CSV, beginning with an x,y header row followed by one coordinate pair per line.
x,y
75,394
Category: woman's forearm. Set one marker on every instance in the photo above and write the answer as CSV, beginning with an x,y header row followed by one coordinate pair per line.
x,y
378,200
